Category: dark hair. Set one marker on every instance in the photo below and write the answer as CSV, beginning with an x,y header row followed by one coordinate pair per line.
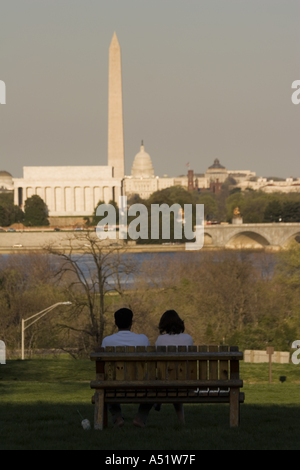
x,y
123,318
171,323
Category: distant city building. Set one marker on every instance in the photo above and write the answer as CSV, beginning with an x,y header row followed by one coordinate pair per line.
x,y
142,166
290,185
215,177
143,181
68,190
216,173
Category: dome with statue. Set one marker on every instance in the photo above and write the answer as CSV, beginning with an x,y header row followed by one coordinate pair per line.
x,y
142,166
216,172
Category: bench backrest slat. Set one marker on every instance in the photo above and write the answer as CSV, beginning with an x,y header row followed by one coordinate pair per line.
x,y
168,363
110,366
213,365
224,366
141,365
203,365
182,369
151,365
172,371
130,370
234,365
192,365
120,365
161,366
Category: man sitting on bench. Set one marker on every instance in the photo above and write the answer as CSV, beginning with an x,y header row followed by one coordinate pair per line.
x,y
125,337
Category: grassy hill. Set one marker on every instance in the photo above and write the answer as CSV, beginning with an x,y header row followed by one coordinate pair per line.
x,y
40,401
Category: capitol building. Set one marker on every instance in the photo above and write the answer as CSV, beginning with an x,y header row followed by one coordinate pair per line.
x,y
74,191
143,181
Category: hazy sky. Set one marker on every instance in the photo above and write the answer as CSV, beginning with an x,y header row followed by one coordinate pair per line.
x,y
202,79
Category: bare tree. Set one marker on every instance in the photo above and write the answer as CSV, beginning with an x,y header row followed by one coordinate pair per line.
x,y
26,287
92,270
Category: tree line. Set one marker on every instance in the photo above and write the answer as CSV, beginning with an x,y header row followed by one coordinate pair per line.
x,y
260,207
255,207
35,212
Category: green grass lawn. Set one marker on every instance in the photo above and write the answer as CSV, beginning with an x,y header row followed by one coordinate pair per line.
x,y
40,400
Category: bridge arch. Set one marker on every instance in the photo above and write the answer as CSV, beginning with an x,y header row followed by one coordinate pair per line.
x,y
295,238
247,239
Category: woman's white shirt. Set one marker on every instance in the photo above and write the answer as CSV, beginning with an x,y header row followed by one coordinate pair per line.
x,y
182,339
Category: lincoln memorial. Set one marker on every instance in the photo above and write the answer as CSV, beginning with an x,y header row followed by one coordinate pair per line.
x,y
68,190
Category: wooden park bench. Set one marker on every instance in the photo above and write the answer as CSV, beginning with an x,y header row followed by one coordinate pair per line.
x,y
203,374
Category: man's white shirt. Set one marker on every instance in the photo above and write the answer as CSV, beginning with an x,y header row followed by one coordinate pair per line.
x,y
125,338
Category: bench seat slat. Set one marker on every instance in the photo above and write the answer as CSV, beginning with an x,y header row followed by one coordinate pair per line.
x,y
190,400
106,384
164,393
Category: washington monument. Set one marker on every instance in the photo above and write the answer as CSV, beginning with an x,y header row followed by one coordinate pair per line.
x,y
115,111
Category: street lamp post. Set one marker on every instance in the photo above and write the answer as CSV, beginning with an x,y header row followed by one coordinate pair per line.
x,y
39,315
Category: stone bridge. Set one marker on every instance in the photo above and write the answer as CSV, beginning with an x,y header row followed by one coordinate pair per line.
x,y
251,235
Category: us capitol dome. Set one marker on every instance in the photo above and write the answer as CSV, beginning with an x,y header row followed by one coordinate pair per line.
x,y
142,166
143,181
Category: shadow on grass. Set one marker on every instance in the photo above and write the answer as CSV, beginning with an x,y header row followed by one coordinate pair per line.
x,y
51,426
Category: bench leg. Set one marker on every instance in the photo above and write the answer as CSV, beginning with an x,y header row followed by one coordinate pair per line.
x,y
100,416
234,407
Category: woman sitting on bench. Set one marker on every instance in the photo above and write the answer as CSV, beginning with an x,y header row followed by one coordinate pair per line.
x,y
171,329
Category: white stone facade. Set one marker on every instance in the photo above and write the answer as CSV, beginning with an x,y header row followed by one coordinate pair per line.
x,y
290,185
145,187
68,190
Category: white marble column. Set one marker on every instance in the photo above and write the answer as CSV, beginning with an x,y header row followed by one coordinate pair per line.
x,y
16,196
